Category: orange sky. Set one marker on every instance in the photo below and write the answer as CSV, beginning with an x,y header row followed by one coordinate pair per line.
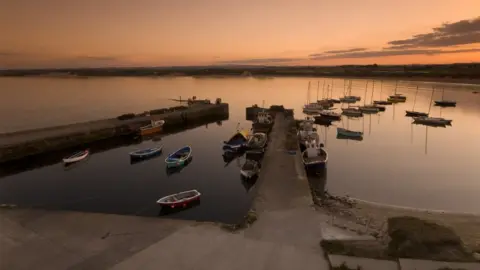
x,y
95,33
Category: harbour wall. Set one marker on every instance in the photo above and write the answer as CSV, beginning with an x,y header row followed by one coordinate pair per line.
x,y
18,145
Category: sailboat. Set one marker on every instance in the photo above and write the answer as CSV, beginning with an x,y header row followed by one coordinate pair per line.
x,y
445,103
367,109
433,121
373,105
382,102
413,112
311,108
325,103
349,98
397,97
331,99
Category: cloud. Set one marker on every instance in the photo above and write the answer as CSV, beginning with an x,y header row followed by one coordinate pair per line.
x,y
98,58
463,32
383,53
346,51
259,61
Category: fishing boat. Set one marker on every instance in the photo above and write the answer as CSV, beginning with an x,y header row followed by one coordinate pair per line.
x,y
314,157
76,157
330,115
257,141
181,199
431,120
153,127
413,112
445,103
237,141
264,118
352,112
348,133
323,120
179,157
146,153
250,169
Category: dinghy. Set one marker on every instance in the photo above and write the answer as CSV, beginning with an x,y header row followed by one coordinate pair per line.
x,y
250,169
76,157
179,157
330,115
153,127
314,157
145,153
237,141
257,141
349,133
180,199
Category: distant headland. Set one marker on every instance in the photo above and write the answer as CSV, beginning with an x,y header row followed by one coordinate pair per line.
x,y
460,72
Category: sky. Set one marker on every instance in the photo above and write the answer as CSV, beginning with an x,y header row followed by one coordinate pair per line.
x,y
106,33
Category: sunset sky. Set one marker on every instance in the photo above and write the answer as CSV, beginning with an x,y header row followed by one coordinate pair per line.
x,y
102,33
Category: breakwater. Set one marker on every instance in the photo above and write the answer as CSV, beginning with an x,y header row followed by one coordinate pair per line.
x,y
18,145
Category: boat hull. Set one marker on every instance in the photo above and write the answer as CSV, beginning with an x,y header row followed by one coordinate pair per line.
x,y
146,154
172,161
76,157
349,133
446,103
382,102
172,202
314,167
414,113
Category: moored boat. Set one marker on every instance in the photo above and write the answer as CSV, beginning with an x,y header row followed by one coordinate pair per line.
x,y
331,115
323,121
250,168
181,199
179,157
382,102
257,141
237,141
153,127
76,156
352,112
314,157
446,103
369,109
145,153
415,113
432,120
349,133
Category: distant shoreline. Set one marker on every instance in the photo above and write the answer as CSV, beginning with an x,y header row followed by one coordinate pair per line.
x,y
453,73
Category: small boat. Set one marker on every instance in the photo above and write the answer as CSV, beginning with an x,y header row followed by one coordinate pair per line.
x,y
237,141
333,100
415,113
330,115
153,127
257,141
264,118
431,120
179,157
368,109
323,121
76,157
349,133
180,199
250,169
325,103
348,99
395,99
352,112
342,137
445,103
314,157
145,153
379,107
308,109
382,102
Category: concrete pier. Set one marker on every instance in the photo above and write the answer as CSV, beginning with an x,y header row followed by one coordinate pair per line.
x,y
17,145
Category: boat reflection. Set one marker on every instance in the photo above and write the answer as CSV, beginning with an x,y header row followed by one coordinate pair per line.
x,y
228,157
173,170
342,137
248,183
318,183
164,211
136,160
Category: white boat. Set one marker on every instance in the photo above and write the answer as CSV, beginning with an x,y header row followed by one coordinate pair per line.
x,y
144,153
264,118
348,133
314,157
180,199
257,141
250,169
76,157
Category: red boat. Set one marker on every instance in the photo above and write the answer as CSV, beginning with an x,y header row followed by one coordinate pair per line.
x,y
180,199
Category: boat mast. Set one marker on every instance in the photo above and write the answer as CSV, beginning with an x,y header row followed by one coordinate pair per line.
x,y
318,88
366,88
308,93
373,90
415,99
396,85
431,99
381,89
323,88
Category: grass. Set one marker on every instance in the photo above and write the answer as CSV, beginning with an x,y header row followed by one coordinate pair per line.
x,y
357,248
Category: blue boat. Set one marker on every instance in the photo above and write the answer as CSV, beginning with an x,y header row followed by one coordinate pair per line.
x,y
146,153
237,141
179,157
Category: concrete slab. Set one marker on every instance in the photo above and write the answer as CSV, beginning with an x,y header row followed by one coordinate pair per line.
x,y
363,263
330,232
409,264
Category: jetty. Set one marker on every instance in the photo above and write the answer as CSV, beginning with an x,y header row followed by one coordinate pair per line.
x,y
21,144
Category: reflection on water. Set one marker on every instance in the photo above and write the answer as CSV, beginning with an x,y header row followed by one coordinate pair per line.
x,y
396,163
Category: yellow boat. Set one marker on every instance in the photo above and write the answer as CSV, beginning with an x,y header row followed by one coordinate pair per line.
x,y
153,127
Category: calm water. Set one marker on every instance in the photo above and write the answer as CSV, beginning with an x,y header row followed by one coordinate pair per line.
x,y
397,163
